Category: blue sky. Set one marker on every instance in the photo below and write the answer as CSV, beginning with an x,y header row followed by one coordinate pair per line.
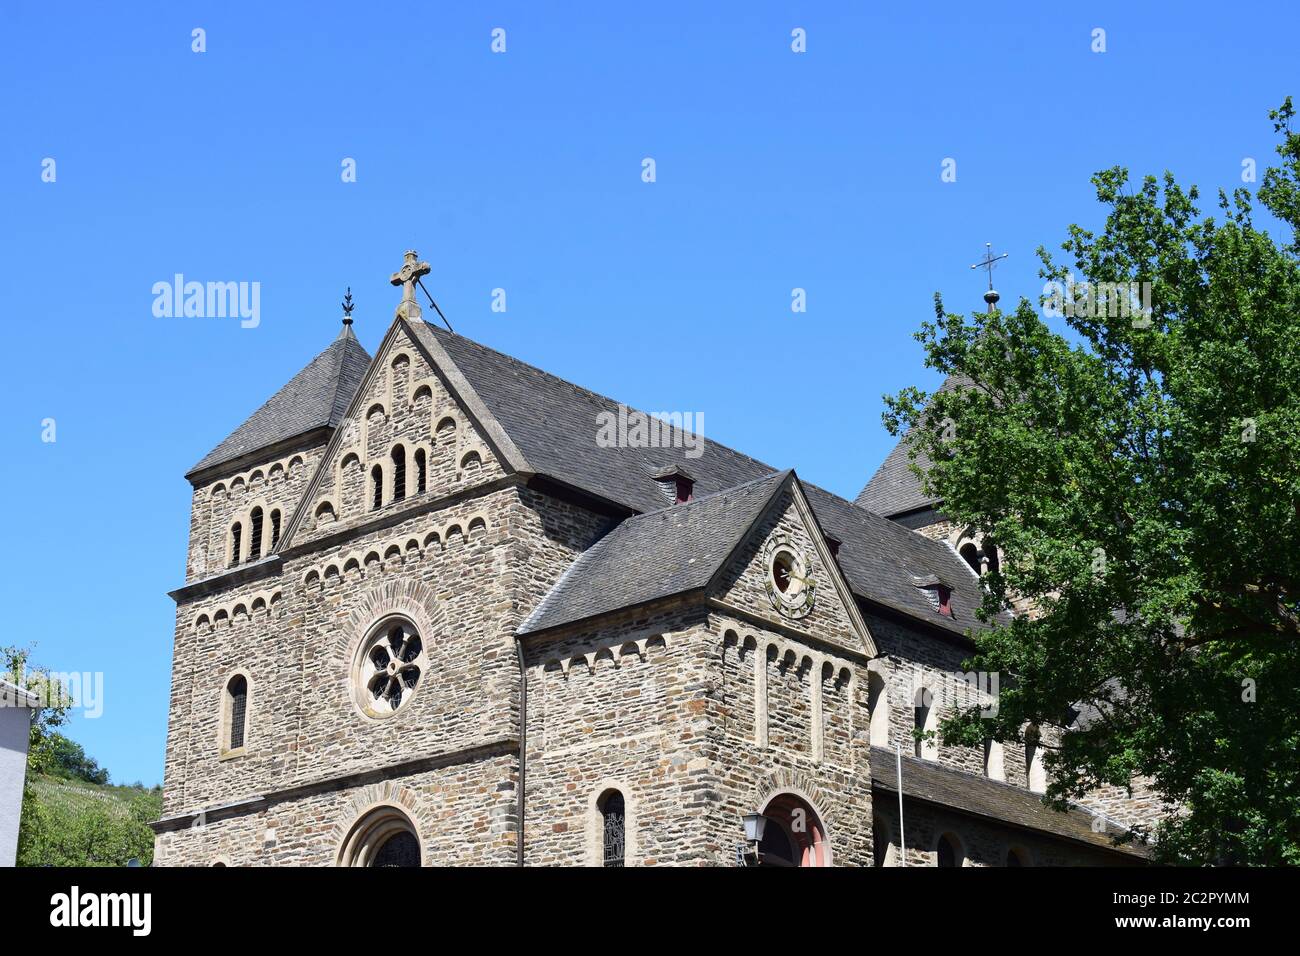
x,y
522,171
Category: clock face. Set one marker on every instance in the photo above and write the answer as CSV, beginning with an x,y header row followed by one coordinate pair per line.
x,y
789,587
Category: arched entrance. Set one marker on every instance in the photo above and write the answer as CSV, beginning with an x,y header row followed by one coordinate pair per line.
x,y
794,835
384,837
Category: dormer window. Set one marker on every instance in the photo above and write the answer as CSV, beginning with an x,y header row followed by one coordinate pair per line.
x,y
938,594
677,485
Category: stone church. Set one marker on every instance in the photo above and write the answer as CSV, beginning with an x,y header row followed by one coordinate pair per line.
x,y
429,619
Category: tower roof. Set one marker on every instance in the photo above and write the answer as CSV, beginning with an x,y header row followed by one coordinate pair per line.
x,y
895,489
316,397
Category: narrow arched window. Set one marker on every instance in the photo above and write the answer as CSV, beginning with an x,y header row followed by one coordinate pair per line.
x,y
275,529
377,488
421,471
948,853
237,709
236,534
255,535
927,725
879,846
1035,771
971,555
399,473
878,706
613,825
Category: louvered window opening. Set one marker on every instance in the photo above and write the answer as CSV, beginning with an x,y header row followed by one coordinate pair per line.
x,y
235,534
399,474
420,472
275,529
377,483
255,531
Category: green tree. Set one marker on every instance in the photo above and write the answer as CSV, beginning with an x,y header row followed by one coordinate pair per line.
x,y
1141,474
95,831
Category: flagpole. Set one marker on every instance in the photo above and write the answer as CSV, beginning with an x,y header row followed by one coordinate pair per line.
x,y
902,840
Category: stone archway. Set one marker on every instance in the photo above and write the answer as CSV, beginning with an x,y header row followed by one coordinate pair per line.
x,y
382,837
795,834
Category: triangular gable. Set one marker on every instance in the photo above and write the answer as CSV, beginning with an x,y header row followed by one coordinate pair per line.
x,y
450,383
743,582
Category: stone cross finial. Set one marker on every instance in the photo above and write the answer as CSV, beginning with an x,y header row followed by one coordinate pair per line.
x,y
406,277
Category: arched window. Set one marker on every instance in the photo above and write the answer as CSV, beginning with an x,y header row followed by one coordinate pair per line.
x,y
377,488
236,533
948,852
399,473
994,762
1035,772
926,722
421,471
275,528
991,557
882,848
971,555
878,705
255,535
236,711
613,818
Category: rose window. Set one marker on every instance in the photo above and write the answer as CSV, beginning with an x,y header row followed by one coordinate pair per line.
x,y
390,665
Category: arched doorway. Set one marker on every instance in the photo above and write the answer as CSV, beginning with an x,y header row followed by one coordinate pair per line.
x,y
384,837
794,835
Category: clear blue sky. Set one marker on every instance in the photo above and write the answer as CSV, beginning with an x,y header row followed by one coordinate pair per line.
x,y
523,171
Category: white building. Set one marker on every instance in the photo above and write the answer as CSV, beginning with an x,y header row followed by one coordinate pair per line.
x,y
16,709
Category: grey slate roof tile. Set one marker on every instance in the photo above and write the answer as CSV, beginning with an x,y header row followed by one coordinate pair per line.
x,y
317,396
554,424
968,793
894,489
658,554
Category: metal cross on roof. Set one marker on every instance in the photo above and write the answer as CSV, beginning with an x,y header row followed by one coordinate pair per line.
x,y
407,276
987,263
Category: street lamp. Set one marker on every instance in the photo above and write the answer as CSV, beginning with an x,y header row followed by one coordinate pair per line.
x,y
747,854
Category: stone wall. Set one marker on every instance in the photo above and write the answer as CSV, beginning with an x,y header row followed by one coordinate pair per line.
x,y
979,842
464,815
662,708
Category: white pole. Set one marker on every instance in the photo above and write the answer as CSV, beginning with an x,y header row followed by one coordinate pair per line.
x,y
902,840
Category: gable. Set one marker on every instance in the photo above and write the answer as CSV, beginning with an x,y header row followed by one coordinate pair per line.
x,y
407,438
813,596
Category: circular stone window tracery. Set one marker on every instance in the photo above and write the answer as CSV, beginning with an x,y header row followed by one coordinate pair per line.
x,y
389,666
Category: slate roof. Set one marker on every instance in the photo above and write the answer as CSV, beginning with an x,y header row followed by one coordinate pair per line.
x,y
894,489
654,555
554,422
970,794
317,396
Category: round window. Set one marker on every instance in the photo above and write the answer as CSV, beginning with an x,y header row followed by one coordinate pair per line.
x,y
788,585
390,664
785,574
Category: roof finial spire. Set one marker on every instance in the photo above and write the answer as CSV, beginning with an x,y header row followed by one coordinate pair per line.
x,y
407,276
991,296
347,307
